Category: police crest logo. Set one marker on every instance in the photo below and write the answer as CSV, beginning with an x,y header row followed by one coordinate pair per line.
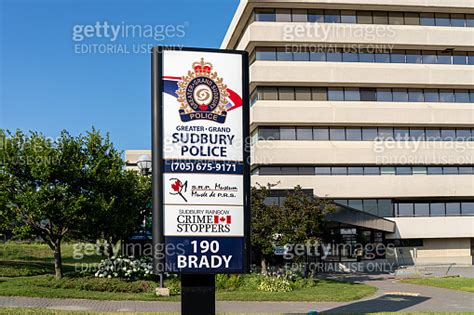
x,y
202,94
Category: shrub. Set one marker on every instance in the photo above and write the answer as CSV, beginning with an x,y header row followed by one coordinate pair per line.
x,y
130,268
228,282
274,284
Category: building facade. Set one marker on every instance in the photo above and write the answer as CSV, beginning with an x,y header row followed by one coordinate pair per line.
x,y
369,103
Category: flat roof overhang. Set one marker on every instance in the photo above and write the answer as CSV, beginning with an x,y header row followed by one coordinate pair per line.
x,y
354,217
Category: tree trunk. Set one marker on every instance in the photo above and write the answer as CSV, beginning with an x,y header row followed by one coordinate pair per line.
x,y
263,265
58,265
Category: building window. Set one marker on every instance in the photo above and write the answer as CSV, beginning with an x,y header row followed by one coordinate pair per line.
x,y
304,133
467,208
287,133
265,15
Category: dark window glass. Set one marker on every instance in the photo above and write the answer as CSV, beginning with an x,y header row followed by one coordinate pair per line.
x,y
431,95
265,54
458,20
339,170
321,133
400,95
446,96
319,94
335,94
317,55
412,18
322,170
380,17
414,56
353,134
470,20
444,58
304,133
287,133
301,55
395,18
350,56
401,134
429,57
465,170
304,170
268,93
337,134
422,209
382,57
333,55
370,206
403,170
271,201
442,19
471,96
453,208
366,56
356,204
299,15
284,55
467,208
348,16
355,170
417,134
369,134
384,95
405,209
332,16
269,133
450,170
397,56
387,170
269,170
427,19
367,95
303,94
385,133
265,15
289,170
316,16
286,94
341,201
435,170
364,17
437,209
459,58
433,134
351,94
461,96
385,208
415,95
283,15
470,58
419,170
448,134
371,170
463,134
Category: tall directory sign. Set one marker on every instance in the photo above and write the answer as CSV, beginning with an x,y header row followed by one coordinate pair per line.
x,y
201,180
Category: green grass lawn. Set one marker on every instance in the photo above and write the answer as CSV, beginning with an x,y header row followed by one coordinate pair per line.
x,y
455,283
114,289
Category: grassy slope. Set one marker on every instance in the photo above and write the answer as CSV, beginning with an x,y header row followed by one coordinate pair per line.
x,y
455,283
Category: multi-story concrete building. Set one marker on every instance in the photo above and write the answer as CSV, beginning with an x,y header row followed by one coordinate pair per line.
x,y
369,103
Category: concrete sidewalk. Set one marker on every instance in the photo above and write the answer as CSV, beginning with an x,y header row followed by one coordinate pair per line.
x,y
391,296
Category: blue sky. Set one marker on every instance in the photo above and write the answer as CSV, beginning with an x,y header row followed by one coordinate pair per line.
x,y
47,84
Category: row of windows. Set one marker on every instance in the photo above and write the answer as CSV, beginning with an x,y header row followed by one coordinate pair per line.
x,y
364,17
359,55
363,170
362,94
387,208
364,134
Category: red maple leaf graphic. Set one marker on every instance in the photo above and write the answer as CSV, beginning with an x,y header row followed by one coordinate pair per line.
x,y
176,186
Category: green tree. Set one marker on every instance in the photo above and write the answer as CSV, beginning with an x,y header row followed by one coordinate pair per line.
x,y
265,223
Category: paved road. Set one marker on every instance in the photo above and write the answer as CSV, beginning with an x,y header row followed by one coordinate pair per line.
x,y
391,296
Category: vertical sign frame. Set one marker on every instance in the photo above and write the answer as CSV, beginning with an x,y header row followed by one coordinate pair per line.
x,y
161,248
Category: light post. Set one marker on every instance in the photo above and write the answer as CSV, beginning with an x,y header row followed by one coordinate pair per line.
x,y
144,164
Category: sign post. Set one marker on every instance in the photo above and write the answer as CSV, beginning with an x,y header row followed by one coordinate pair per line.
x,y
201,176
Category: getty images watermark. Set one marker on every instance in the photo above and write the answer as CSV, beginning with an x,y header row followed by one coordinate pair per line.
x,y
103,37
